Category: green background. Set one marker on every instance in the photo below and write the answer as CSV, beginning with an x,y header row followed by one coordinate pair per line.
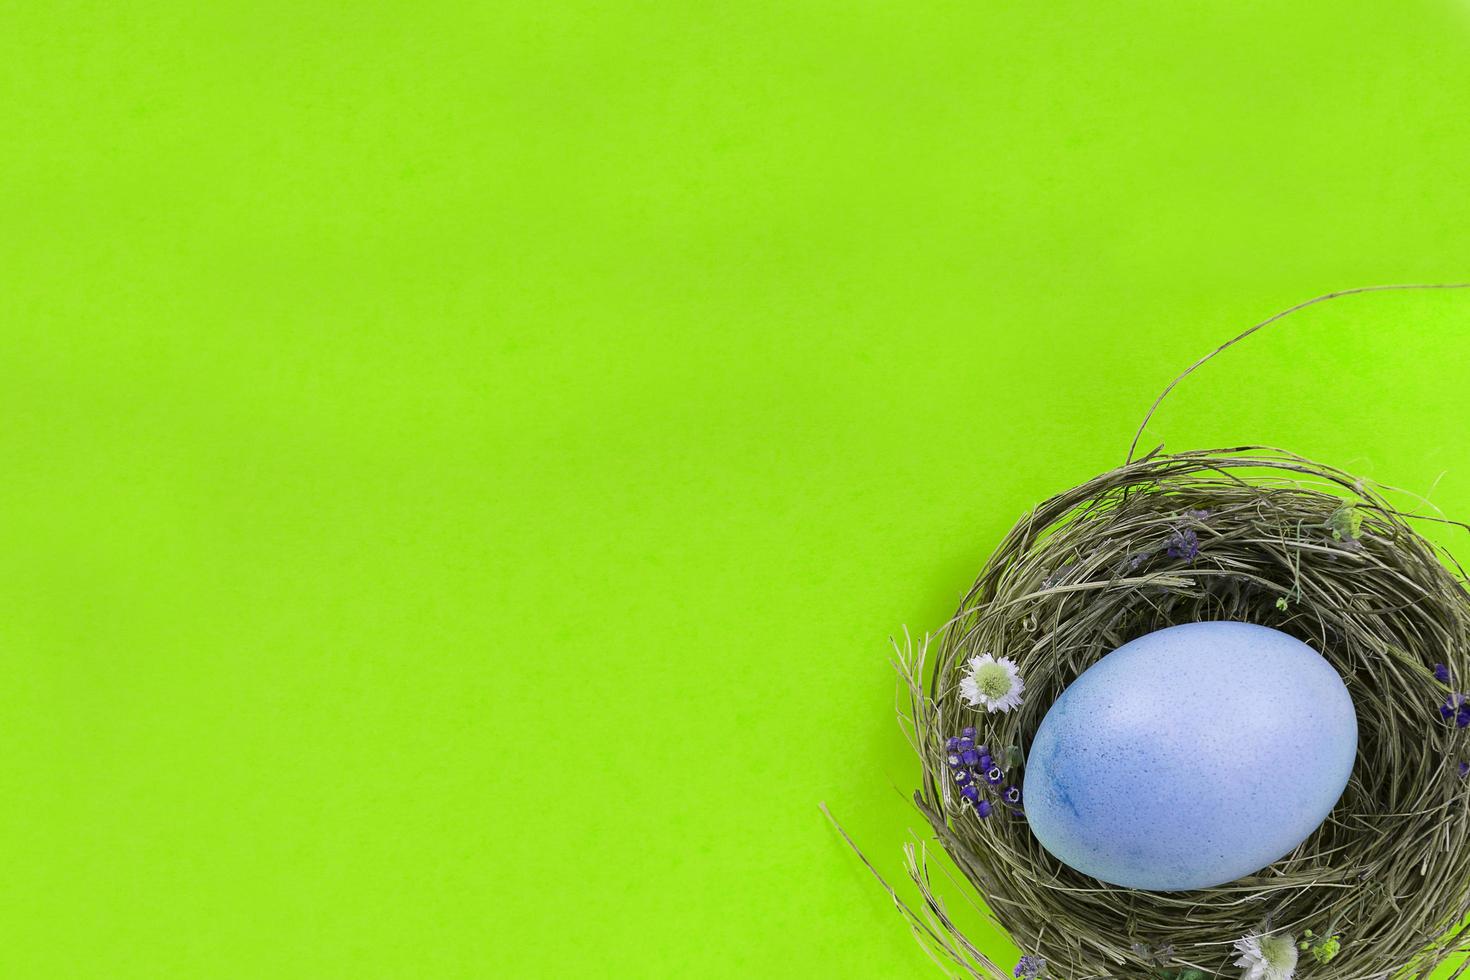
x,y
460,463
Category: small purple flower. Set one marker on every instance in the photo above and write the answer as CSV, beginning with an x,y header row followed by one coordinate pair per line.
x,y
967,733
1441,673
985,761
970,757
955,760
1197,515
965,742
970,792
1451,704
994,775
1029,968
1464,768
1184,544
962,776
1462,716
953,745
982,809
1012,795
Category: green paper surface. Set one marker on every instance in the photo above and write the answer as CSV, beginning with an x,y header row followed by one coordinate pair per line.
x,y
460,463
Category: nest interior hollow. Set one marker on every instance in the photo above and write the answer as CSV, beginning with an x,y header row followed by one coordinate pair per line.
x,y
1283,542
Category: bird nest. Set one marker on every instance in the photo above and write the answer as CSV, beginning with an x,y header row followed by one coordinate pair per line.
x,y
1248,535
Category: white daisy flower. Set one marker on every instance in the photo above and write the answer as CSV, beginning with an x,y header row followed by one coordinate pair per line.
x,y
1266,956
993,684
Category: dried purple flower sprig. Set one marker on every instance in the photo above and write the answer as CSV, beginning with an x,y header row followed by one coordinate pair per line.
x,y
1181,544
1184,544
1030,968
976,773
1456,705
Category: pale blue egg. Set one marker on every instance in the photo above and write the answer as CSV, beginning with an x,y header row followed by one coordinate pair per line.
x,y
1191,757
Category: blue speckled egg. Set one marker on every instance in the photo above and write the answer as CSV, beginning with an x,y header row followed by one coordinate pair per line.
x,y
1191,757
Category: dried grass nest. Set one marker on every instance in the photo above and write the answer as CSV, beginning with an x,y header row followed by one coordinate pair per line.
x,y
1281,541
